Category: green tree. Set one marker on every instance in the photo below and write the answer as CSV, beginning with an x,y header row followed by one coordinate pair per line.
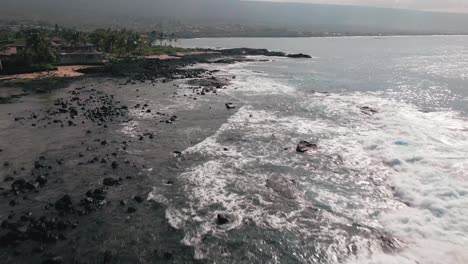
x,y
161,37
39,46
4,41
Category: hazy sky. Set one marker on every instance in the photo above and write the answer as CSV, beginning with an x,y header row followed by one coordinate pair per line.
x,y
435,5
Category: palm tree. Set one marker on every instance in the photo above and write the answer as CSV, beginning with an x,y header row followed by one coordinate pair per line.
x,y
3,46
40,47
77,38
161,37
174,38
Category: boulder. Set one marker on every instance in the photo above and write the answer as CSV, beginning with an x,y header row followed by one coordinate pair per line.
x,y
110,182
222,219
305,146
64,204
368,110
230,106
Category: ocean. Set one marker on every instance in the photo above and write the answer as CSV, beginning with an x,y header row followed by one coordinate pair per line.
x,y
387,183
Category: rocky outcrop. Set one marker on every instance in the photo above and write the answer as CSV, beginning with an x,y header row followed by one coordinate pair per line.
x,y
299,56
305,146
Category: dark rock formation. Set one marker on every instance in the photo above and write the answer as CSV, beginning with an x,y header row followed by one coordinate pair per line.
x,y
305,146
299,56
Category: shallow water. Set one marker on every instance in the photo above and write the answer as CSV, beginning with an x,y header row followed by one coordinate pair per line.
x,y
384,187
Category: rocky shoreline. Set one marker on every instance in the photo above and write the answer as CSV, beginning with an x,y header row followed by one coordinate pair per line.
x,y
77,163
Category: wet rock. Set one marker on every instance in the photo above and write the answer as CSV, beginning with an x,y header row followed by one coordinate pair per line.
x,y
94,199
115,165
222,219
167,255
299,56
283,187
368,110
108,256
8,178
97,194
41,179
9,239
389,244
138,199
73,112
53,260
110,182
230,105
21,185
64,204
305,146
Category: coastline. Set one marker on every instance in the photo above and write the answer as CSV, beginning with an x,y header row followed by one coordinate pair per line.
x,y
78,160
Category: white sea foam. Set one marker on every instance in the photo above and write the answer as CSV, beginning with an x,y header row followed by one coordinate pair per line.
x,y
428,157
400,170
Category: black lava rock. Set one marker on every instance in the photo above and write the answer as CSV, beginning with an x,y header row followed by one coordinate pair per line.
x,y
64,204
305,146
222,219
230,105
299,56
110,182
115,165
138,199
41,179
53,260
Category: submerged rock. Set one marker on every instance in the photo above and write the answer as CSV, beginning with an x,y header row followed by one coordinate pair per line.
x,y
367,110
230,106
222,219
305,146
283,187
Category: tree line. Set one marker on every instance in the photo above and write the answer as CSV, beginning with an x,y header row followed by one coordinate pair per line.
x,y
115,42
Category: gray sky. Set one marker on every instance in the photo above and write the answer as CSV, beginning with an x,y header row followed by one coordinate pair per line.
x,y
433,5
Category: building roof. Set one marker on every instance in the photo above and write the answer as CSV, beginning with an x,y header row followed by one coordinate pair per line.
x,y
9,51
18,43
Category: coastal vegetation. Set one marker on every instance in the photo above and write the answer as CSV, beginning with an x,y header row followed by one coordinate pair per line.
x,y
30,50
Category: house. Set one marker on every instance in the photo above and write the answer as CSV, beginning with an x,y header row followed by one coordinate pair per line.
x,y
18,44
77,54
10,51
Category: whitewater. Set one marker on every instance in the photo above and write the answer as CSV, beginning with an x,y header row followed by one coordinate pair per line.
x,y
388,182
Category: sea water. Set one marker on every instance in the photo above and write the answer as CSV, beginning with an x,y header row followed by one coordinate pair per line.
x,y
388,182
